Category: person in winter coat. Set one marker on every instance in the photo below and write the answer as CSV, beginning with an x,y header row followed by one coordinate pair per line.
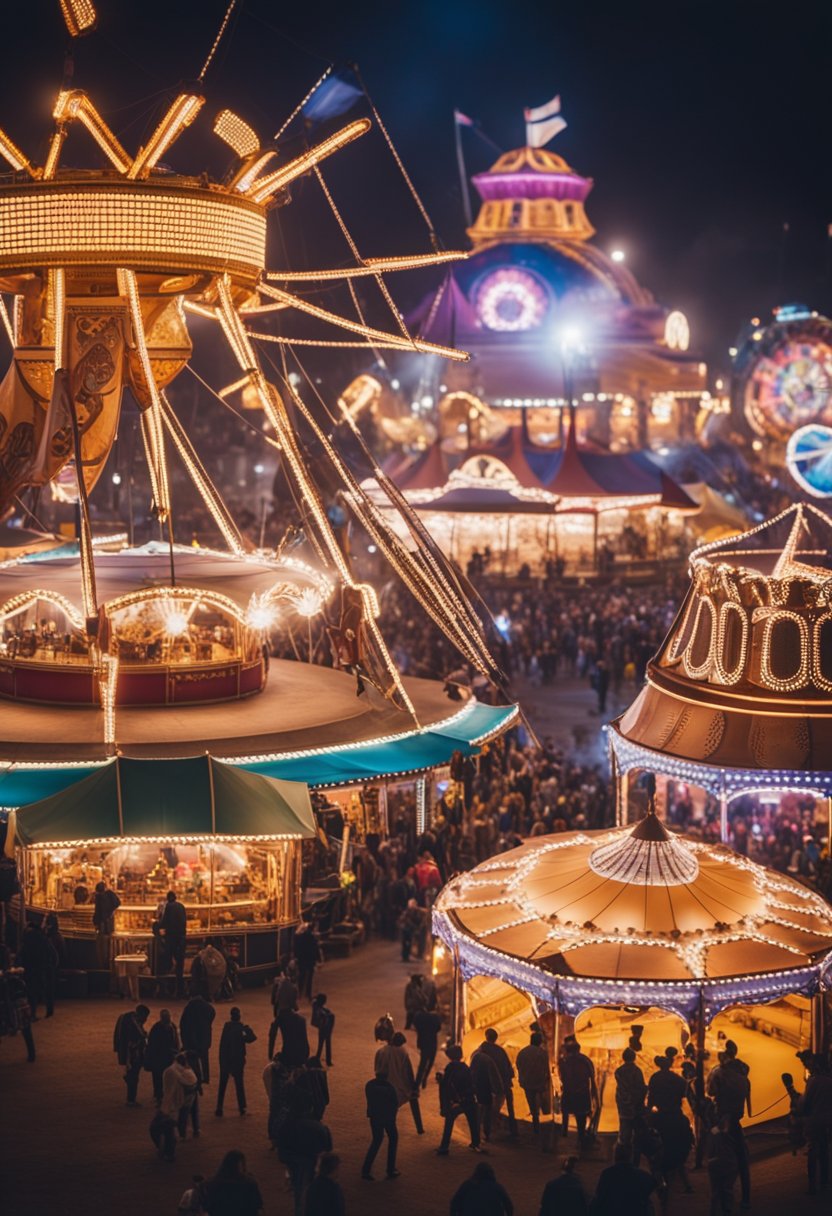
x,y
235,1036
394,1061
535,1077
173,926
730,1088
578,1089
129,1042
456,1097
499,1055
382,1110
179,1090
482,1195
427,1024
195,1030
630,1092
488,1089
162,1046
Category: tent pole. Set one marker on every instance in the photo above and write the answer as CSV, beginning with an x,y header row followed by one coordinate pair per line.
x,y
213,834
118,798
723,811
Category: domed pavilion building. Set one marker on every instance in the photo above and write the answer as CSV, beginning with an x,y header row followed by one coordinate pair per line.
x,y
637,936
534,282
738,699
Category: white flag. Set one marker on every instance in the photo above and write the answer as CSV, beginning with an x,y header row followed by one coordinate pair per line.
x,y
538,134
538,113
543,123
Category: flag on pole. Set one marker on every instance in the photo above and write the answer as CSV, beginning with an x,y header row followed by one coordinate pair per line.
x,y
462,120
333,97
543,123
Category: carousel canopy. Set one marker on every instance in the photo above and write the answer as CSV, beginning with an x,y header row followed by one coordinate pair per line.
x,y
146,566
517,476
636,914
743,682
158,799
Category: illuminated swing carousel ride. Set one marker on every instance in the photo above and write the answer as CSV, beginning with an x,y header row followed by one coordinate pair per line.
x,y
137,652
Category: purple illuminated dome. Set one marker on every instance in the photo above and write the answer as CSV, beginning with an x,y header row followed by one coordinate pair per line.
x,y
532,173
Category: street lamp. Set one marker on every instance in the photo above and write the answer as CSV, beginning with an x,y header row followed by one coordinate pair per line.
x,y
570,343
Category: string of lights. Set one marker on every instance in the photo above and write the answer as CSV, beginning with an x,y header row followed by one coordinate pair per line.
x,y
180,115
199,476
323,314
264,188
449,614
151,418
368,266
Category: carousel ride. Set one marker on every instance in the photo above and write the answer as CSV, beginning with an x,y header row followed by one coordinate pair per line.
x,y
138,652
638,935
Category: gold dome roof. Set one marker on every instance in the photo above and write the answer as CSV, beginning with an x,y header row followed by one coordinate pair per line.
x,y
744,678
546,904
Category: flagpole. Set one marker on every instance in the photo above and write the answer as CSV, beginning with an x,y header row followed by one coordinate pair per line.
x,y
463,176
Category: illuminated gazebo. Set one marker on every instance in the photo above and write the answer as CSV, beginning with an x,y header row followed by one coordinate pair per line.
x,y
738,698
530,503
636,933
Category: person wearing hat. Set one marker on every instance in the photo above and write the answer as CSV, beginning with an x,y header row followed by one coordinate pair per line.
x,y
235,1035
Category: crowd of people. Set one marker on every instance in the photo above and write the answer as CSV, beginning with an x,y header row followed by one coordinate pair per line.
x,y
685,1114
787,832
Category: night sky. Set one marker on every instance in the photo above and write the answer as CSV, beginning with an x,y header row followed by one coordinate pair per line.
x,y
704,123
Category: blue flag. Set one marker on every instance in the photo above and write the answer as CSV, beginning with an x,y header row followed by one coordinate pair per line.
x,y
337,94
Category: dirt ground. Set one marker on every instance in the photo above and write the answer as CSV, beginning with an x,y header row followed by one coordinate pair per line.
x,y
70,1146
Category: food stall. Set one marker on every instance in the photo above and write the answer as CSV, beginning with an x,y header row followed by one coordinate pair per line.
x,y
226,841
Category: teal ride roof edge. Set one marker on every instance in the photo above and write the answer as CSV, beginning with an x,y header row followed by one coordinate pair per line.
x,y
428,748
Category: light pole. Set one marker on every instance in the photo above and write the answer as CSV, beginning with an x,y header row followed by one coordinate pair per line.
x,y
570,343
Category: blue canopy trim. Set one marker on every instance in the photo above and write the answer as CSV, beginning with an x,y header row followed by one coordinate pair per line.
x,y
412,752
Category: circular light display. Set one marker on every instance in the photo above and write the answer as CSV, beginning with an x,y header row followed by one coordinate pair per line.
x,y
790,387
511,300
677,331
809,459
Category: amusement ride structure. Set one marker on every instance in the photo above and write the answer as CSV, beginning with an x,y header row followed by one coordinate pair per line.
x,y
136,651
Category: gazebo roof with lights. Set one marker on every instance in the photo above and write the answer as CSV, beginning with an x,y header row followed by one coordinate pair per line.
x,y
739,696
513,475
144,567
636,916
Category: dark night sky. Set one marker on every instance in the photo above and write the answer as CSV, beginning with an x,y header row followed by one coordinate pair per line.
x,y
703,122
